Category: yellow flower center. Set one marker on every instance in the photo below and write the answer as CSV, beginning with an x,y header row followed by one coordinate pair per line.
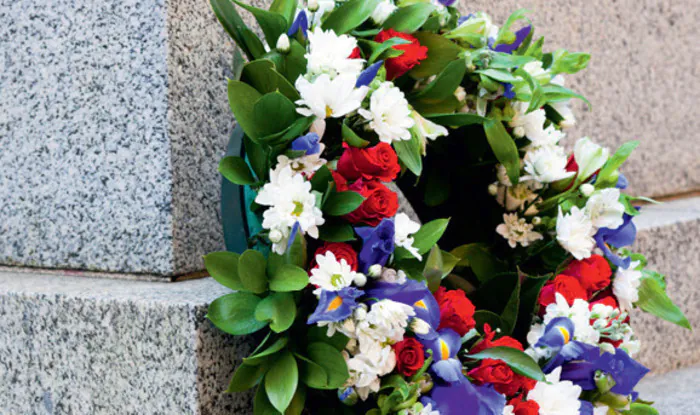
x,y
298,209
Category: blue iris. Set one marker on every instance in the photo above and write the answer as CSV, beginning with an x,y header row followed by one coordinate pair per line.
x,y
413,293
368,75
558,337
520,37
335,305
620,237
309,144
625,371
300,23
464,398
377,244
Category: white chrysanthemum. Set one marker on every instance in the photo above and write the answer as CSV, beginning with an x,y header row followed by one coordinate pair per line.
x,y
508,410
515,197
601,410
550,136
290,199
517,230
536,70
428,410
389,114
382,12
604,209
331,274
546,164
589,156
527,124
329,54
365,369
556,397
388,321
327,97
626,285
304,164
575,232
403,228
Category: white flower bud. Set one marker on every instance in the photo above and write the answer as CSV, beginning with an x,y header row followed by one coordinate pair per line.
x,y
360,313
375,271
536,220
312,5
461,94
519,132
587,189
360,280
420,326
283,43
276,236
493,189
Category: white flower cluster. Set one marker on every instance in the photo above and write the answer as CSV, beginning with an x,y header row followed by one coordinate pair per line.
x,y
333,275
556,397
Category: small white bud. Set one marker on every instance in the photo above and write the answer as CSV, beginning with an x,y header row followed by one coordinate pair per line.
x,y
493,189
519,132
420,326
276,236
587,189
460,94
312,5
283,43
375,271
360,280
536,220
360,313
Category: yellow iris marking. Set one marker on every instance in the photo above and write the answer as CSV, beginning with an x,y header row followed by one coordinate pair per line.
x,y
329,111
421,304
298,209
565,333
444,350
335,303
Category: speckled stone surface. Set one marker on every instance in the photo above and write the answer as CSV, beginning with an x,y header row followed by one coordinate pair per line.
x,y
71,345
642,79
675,393
113,116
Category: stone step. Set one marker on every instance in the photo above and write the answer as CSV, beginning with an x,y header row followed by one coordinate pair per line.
x,y
74,345
674,393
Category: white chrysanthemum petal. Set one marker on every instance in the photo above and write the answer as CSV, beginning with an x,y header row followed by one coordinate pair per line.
x,y
605,209
575,233
389,114
330,54
626,285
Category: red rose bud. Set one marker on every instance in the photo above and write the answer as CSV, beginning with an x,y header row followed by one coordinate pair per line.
x,y
593,273
565,285
410,356
341,251
356,54
379,162
501,376
456,311
341,184
380,203
521,407
412,55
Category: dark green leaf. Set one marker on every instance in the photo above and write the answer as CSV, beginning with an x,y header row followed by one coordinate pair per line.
x,y
258,157
241,98
342,203
457,120
375,50
264,356
312,374
279,309
223,267
262,405
319,334
286,8
441,52
245,377
409,152
654,300
235,313
479,258
236,170
295,62
437,266
263,76
487,317
281,381
251,270
271,23
232,22
351,137
350,15
521,363
607,172
337,232
503,148
427,236
296,407
277,104
408,19
509,316
332,362
289,278
445,84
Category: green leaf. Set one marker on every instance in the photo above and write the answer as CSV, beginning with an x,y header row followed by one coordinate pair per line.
x,y
342,203
251,270
375,50
295,61
235,313
445,84
264,356
441,52
235,170
261,403
245,377
521,363
569,62
536,92
223,267
337,232
605,176
279,309
410,18
480,259
232,22
654,300
281,381
500,75
640,409
258,157
456,120
289,278
409,152
296,407
286,8
320,334
321,179
437,266
296,253
332,362
312,374
487,317
509,316
284,137
350,15
277,104
241,98
263,76
426,237
501,60
351,137
557,93
503,148
271,23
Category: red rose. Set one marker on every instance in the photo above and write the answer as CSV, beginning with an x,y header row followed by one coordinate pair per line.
x,y
521,407
456,311
412,55
341,184
565,285
409,356
378,162
356,54
606,298
487,342
380,203
341,250
593,273
501,376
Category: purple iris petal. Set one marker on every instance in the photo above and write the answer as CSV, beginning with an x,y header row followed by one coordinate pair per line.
x,y
368,75
572,351
335,305
463,19
377,244
623,236
622,182
508,90
520,37
463,398
301,22
449,370
447,3
413,293
445,346
309,144
293,235
557,333
586,408
625,371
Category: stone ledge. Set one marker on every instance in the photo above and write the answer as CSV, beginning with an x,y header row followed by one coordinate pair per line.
x,y
80,345
675,393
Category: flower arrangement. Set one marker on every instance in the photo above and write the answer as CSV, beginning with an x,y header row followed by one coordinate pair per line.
x,y
356,307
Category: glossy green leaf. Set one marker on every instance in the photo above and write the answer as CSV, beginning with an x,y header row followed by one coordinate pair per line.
x,y
437,266
483,317
261,403
264,356
236,170
223,267
605,176
263,76
279,105
281,381
503,148
521,363
332,362
375,50
289,278
479,258
445,84
349,15
337,232
241,98
342,203
456,120
408,19
500,75
409,152
245,377
271,23
251,270
232,22
295,62
557,93
351,137
441,52
279,309
654,300
640,409
312,374
426,237
286,8
235,313
509,316
258,157
320,334
296,406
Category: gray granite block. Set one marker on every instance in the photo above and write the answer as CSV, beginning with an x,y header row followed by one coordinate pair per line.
x,y
71,345
113,116
675,393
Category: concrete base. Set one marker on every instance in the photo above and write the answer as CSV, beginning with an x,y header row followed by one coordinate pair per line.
x,y
71,345
675,393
